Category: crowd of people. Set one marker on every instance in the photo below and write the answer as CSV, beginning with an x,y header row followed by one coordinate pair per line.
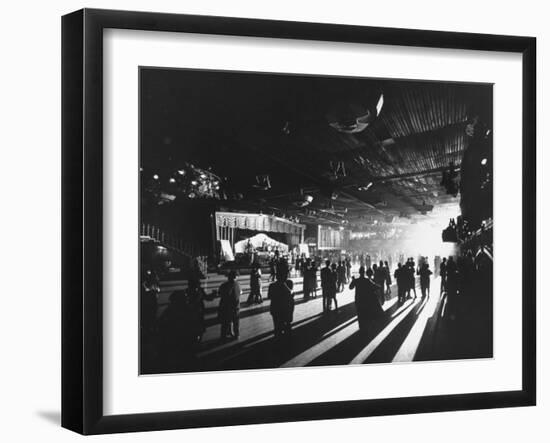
x,y
406,280
182,324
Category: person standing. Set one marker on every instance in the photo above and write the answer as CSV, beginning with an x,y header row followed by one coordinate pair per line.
x,y
366,299
229,307
195,304
340,276
282,304
299,266
387,274
380,278
400,278
150,288
255,295
348,269
313,277
411,281
272,268
326,282
176,338
413,276
306,280
333,288
443,274
424,272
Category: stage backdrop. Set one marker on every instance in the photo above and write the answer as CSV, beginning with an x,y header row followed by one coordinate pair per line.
x,y
227,223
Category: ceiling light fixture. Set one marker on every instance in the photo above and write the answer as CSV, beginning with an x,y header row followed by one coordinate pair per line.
x,y
365,188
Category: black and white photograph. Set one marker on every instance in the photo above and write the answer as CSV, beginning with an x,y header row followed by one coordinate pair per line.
x,y
272,222
291,221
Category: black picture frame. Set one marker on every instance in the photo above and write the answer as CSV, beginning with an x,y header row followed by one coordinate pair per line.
x,y
82,215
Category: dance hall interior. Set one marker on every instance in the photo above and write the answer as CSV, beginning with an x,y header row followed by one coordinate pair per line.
x,y
291,221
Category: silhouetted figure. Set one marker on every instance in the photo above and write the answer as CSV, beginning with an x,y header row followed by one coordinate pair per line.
x,y
307,279
379,276
424,272
387,274
348,269
255,295
443,274
177,338
333,288
195,303
366,299
272,268
411,281
282,304
326,284
340,276
400,276
229,307
148,303
303,264
313,279
299,264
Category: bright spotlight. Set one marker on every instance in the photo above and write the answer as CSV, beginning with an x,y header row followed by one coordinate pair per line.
x,y
379,104
156,177
483,162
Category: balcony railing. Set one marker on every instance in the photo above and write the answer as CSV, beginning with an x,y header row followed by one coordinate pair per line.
x,y
176,245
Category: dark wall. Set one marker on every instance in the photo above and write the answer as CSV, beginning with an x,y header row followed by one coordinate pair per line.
x,y
188,220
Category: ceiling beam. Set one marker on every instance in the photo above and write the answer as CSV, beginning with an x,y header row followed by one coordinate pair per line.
x,y
300,171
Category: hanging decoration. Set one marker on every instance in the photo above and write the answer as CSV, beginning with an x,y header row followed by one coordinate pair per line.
x,y
258,222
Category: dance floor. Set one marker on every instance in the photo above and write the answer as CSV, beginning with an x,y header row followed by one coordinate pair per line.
x,y
414,331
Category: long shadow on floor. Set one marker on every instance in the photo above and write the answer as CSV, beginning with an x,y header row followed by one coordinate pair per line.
x,y
260,309
273,353
260,351
344,352
441,339
389,347
268,353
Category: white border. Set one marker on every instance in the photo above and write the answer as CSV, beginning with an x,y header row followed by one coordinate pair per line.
x,y
125,392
